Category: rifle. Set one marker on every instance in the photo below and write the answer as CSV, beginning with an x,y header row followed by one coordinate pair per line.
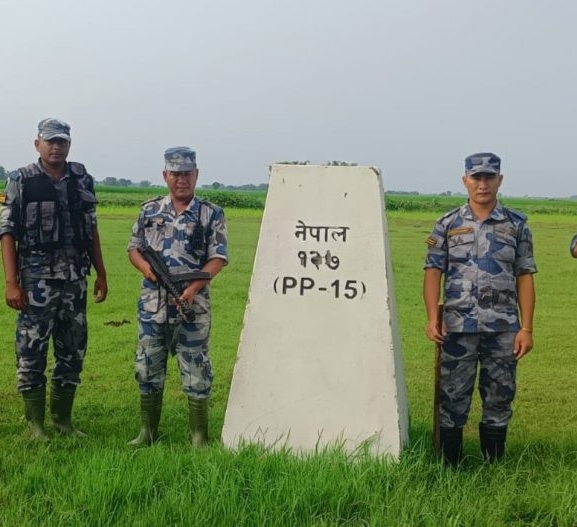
x,y
170,283
437,389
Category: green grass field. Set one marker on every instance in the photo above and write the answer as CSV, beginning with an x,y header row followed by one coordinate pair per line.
x,y
100,481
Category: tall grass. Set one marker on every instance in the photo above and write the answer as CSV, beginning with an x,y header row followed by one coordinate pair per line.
x,y
100,481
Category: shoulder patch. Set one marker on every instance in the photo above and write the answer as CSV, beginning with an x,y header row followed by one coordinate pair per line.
x,y
2,198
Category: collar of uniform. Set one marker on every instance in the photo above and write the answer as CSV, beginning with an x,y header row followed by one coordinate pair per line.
x,y
192,205
166,205
496,214
467,213
64,176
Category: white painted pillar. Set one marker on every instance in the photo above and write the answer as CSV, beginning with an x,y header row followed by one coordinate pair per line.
x,y
319,360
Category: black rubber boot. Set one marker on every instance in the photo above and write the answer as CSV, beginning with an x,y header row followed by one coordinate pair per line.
x,y
61,402
452,445
150,410
198,421
35,410
492,441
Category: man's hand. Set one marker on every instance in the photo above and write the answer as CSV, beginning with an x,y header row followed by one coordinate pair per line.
x,y
433,333
15,296
100,289
146,271
523,343
190,292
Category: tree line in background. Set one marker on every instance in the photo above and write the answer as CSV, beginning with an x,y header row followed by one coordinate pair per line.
x,y
123,182
110,181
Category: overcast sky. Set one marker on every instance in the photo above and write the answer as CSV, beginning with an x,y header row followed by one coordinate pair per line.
x,y
411,86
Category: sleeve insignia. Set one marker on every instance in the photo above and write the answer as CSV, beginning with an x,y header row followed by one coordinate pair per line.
x,y
2,198
431,241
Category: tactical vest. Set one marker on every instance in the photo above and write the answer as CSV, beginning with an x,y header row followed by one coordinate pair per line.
x,y
43,219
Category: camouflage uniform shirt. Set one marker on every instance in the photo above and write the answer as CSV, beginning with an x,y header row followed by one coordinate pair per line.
x,y
185,241
573,244
63,262
480,261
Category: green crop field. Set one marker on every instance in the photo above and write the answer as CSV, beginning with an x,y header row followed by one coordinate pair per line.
x,y
99,481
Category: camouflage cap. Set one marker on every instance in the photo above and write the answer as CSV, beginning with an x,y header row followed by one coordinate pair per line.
x,y
180,159
482,163
53,129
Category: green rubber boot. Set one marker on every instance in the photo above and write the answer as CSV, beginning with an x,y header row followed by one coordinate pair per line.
x,y
150,409
198,421
61,403
34,410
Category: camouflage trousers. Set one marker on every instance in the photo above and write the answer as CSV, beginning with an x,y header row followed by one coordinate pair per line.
x,y
55,308
188,341
459,357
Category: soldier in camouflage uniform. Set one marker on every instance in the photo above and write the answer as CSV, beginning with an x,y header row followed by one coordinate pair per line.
x,y
573,246
485,252
49,240
189,234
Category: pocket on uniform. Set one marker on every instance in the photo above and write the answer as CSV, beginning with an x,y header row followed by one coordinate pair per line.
x,y
87,226
154,235
461,247
504,244
87,200
504,294
201,304
47,215
32,214
48,222
149,301
458,294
